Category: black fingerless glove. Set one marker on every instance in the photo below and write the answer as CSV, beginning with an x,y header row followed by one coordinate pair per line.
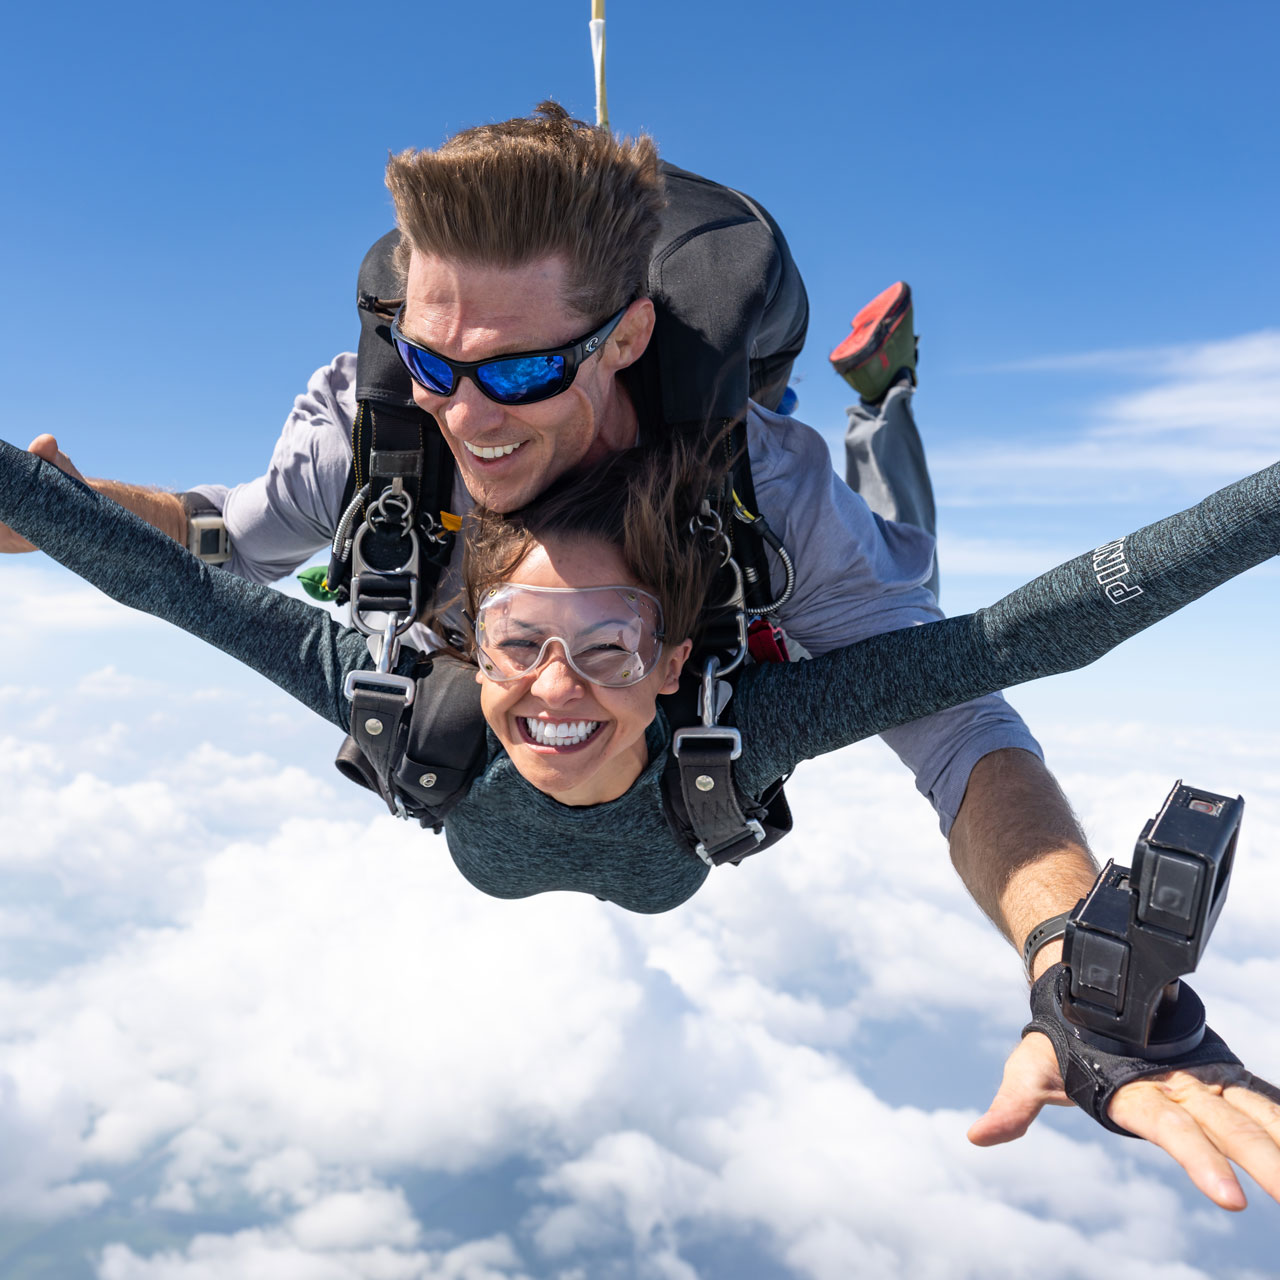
x,y
1091,1075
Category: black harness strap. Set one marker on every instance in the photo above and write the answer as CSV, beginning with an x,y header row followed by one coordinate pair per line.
x,y
377,715
419,743
703,802
391,437
445,745
704,757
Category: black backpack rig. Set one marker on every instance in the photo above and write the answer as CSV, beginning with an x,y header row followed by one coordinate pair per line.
x,y
731,318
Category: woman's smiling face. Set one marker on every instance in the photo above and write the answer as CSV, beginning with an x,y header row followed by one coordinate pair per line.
x,y
580,743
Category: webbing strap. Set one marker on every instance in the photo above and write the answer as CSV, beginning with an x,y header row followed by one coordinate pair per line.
x,y
419,742
375,725
724,833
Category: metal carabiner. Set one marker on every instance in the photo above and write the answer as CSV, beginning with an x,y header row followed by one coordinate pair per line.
x,y
714,695
381,518
738,601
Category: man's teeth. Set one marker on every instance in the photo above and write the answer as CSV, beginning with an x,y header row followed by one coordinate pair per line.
x,y
500,451
563,733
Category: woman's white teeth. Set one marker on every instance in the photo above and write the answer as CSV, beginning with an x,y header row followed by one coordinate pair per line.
x,y
500,451
562,733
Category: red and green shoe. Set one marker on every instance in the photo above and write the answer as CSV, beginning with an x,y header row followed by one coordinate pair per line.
x,y
881,345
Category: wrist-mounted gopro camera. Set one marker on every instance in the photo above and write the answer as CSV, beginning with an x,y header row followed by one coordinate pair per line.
x,y
1141,928
207,538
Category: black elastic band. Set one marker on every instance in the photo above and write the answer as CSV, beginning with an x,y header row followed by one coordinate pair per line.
x,y
1045,932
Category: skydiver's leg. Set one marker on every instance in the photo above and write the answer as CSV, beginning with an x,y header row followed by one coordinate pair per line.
x,y
885,460
884,456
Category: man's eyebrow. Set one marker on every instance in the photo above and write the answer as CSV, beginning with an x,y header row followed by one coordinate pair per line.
x,y
516,349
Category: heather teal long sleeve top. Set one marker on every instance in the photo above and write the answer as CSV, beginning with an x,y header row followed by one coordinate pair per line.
x,y
511,840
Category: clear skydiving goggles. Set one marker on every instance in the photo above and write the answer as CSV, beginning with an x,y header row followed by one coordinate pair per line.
x,y
611,636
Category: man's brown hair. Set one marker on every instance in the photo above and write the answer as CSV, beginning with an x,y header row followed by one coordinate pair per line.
x,y
545,185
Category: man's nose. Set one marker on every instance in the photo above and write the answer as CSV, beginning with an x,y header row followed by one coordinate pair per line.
x,y
468,413
556,682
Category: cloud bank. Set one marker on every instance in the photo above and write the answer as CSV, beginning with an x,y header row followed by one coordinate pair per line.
x,y
259,1004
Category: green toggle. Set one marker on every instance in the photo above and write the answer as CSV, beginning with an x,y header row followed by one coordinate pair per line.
x,y
315,584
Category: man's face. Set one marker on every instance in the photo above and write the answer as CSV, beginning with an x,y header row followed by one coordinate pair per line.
x,y
508,454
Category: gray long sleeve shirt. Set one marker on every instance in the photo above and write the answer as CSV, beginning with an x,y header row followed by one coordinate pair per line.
x,y
509,839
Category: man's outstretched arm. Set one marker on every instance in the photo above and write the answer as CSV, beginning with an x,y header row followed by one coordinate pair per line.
x,y
1018,848
162,510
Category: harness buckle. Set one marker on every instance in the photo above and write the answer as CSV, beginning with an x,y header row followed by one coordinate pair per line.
x,y
378,681
704,733
396,581
753,827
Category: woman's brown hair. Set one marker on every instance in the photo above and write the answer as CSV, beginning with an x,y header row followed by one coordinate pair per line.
x,y
642,501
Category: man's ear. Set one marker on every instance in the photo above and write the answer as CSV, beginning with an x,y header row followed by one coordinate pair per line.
x,y
673,664
628,341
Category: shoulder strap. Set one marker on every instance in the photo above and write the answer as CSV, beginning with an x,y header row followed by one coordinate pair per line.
x,y
391,438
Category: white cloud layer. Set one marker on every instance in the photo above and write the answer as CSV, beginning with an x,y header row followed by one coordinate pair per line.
x,y
253,1027
305,1015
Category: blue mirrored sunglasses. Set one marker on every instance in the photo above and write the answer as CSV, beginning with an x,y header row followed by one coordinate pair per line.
x,y
523,378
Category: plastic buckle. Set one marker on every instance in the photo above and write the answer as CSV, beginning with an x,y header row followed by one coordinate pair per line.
x,y
711,732
378,681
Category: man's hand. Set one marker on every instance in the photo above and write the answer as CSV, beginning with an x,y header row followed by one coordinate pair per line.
x,y
1203,1118
158,508
45,447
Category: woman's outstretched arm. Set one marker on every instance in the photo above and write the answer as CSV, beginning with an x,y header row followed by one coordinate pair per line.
x,y
293,644
1062,620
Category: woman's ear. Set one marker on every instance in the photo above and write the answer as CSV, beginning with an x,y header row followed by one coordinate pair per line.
x,y
674,659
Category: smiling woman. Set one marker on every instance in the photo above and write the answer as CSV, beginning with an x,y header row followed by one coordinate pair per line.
x,y
570,794
571,655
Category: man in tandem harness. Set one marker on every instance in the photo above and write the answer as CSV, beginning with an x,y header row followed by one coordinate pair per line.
x,y
603,318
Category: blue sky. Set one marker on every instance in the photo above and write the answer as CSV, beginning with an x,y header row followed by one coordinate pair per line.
x,y
227,1044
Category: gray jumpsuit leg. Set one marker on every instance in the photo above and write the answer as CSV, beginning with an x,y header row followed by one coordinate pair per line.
x,y
885,463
